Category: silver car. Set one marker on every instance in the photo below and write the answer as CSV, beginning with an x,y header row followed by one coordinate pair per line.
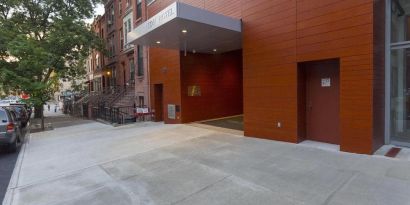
x,y
10,130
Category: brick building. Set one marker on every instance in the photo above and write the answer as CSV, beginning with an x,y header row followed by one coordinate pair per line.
x,y
118,78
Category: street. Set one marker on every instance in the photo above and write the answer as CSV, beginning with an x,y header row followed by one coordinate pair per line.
x,y
7,162
153,163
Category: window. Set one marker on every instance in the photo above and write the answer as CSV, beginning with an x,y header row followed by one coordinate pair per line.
x,y
125,33
140,60
129,25
148,2
120,7
139,9
141,102
126,30
128,3
111,46
97,58
111,16
400,72
121,39
132,69
3,116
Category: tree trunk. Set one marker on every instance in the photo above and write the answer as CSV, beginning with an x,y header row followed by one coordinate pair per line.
x,y
42,118
38,111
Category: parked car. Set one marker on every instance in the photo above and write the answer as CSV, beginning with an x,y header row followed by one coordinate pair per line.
x,y
22,114
10,129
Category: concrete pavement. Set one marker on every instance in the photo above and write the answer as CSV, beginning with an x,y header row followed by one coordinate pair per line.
x,y
152,163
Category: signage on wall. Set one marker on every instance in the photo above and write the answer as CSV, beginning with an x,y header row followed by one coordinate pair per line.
x,y
326,82
156,21
171,111
194,90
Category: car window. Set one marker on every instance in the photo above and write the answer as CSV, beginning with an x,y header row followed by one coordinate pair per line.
x,y
13,116
3,115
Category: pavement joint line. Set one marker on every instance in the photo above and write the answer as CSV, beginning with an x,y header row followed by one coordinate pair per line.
x,y
72,172
78,196
119,184
201,190
351,178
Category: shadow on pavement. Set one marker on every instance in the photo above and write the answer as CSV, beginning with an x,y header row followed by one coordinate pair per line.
x,y
53,122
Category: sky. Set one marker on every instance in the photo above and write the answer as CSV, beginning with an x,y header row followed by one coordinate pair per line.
x,y
99,10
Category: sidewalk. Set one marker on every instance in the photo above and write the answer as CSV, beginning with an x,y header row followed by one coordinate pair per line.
x,y
54,120
152,163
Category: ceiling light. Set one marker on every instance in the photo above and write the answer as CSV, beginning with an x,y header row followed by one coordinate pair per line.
x,y
158,42
215,50
184,31
194,51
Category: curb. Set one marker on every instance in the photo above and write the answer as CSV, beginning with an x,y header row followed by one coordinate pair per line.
x,y
8,198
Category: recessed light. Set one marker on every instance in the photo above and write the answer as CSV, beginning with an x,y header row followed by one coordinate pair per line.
x,y
184,31
158,42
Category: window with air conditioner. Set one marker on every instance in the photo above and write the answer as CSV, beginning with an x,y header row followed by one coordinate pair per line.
x,y
139,9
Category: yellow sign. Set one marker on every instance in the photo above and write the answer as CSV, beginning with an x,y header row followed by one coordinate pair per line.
x,y
194,90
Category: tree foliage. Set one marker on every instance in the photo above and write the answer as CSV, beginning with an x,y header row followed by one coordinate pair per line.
x,y
42,41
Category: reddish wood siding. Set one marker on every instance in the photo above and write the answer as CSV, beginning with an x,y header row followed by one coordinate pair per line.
x,y
165,69
280,33
160,58
220,80
277,34
270,83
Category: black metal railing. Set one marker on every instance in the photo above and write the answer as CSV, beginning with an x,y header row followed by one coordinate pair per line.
x,y
115,115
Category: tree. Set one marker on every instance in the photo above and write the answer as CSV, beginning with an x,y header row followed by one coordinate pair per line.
x,y
42,41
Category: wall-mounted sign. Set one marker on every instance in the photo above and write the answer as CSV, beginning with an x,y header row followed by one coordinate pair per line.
x,y
326,82
171,111
156,21
194,90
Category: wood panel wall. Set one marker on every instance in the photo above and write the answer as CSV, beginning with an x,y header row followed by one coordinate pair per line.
x,y
165,70
160,58
220,79
280,33
277,35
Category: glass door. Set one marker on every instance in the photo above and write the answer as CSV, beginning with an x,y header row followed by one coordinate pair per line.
x,y
400,72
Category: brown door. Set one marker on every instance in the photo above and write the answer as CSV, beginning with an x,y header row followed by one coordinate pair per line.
x,y
322,101
159,108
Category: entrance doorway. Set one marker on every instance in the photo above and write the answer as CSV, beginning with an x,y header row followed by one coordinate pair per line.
x,y
318,95
159,102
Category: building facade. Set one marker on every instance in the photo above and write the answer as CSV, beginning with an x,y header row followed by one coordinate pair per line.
x,y
322,70
303,70
122,67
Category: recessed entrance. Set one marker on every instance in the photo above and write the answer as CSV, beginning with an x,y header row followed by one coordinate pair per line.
x,y
318,96
212,87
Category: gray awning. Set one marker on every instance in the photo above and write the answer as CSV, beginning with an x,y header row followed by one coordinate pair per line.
x,y
206,32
